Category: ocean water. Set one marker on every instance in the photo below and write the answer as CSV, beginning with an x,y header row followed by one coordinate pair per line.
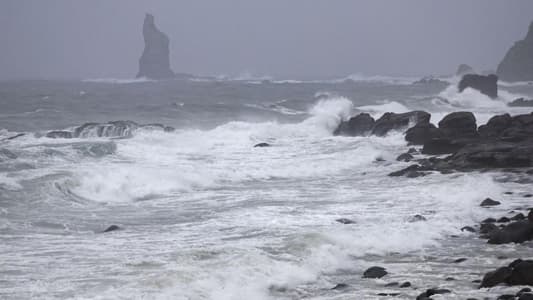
x,y
205,215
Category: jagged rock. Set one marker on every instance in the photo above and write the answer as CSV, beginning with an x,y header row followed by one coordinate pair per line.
x,y
430,80
422,133
517,65
359,125
464,69
59,134
521,102
375,272
155,60
345,221
393,121
111,129
487,85
516,232
340,286
503,220
459,125
489,202
405,284
495,126
417,218
441,146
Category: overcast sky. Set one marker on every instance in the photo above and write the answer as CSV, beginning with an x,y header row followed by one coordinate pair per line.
x,y
280,38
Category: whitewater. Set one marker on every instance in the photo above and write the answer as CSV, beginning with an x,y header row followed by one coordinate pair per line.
x,y
206,215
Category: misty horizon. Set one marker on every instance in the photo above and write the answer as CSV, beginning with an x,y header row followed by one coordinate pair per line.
x,y
297,40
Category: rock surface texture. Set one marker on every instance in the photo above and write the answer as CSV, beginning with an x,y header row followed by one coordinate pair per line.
x,y
155,60
487,85
517,65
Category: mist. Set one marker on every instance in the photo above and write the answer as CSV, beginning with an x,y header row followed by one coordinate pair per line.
x,y
283,39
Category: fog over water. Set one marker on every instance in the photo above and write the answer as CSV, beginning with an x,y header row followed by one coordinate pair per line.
x,y
283,39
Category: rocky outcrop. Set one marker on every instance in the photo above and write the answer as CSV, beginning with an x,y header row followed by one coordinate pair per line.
x,y
464,69
519,272
363,124
487,85
114,129
155,60
517,65
359,125
375,272
458,125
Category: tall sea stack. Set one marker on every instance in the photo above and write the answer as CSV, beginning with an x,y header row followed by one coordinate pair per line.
x,y
154,62
517,65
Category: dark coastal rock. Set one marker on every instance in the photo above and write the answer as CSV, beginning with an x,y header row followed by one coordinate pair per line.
x,y
340,286
417,218
519,272
261,145
412,171
405,285
430,292
393,121
503,220
521,102
441,146
421,133
59,134
464,69
459,125
525,296
487,85
345,221
468,229
489,202
516,232
405,157
495,126
460,260
489,220
518,217
486,229
111,228
155,60
375,272
517,65
430,80
359,125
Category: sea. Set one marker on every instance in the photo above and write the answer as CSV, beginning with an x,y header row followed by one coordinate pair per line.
x,y
203,214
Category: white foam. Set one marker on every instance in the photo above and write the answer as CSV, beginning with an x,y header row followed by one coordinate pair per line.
x,y
386,106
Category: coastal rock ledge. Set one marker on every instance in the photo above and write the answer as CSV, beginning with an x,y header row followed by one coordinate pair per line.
x,y
155,61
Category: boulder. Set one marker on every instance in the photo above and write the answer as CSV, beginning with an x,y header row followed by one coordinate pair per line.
x,y
441,146
495,126
519,272
464,69
393,121
375,272
459,125
405,157
489,202
155,60
111,228
496,277
516,232
359,125
517,65
487,85
422,133
261,145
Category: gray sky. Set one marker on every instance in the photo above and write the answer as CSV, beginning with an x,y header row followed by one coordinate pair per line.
x,y
280,38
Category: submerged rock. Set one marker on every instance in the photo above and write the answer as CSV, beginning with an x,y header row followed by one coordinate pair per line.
x,y
489,202
519,272
345,221
155,60
517,65
111,228
113,129
375,272
393,121
260,145
521,102
487,85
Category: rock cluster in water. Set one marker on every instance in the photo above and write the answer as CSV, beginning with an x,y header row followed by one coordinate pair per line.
x,y
517,65
114,129
155,60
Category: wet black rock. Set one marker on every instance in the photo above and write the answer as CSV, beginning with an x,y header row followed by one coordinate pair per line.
x,y
359,125
525,296
487,85
405,157
518,217
391,284
345,221
441,146
375,272
393,121
460,124
411,171
489,220
468,229
504,220
506,297
460,260
489,202
112,228
516,232
405,285
417,218
260,145
430,292
155,60
485,229
340,286
517,65
519,272
422,133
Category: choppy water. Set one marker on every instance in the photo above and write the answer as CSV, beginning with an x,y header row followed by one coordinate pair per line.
x,y
207,216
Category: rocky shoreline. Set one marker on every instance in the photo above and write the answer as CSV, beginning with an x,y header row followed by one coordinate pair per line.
x,y
458,144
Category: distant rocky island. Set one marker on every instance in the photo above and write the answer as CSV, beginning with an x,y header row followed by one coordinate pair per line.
x,y
155,60
517,64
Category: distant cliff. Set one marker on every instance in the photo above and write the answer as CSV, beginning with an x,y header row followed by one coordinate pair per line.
x,y
154,62
517,65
